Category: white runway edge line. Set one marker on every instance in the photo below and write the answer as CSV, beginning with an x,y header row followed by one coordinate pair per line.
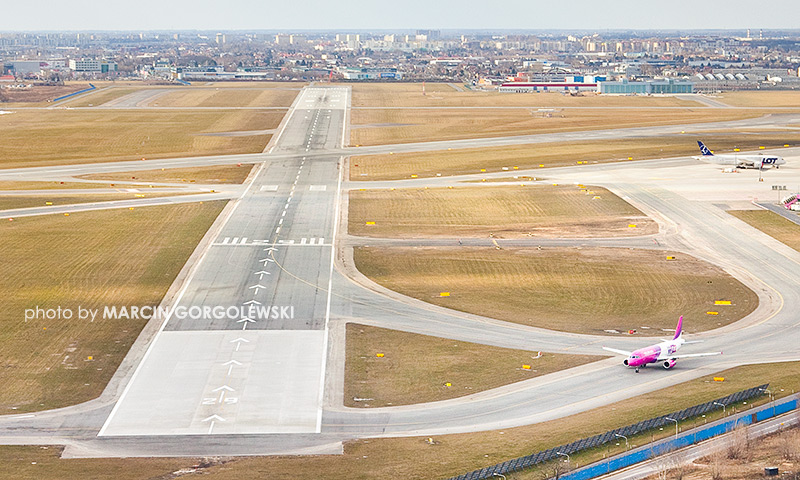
x,y
330,283
185,286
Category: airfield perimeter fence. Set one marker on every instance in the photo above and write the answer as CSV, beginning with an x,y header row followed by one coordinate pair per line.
x,y
544,456
91,87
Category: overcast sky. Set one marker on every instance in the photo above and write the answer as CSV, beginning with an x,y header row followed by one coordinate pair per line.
x,y
399,14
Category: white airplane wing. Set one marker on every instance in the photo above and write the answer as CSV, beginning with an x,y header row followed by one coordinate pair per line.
x,y
690,355
619,352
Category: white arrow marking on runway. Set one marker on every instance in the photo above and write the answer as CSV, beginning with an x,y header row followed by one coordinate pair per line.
x,y
231,363
261,274
257,288
213,419
270,249
252,302
224,387
245,321
239,341
265,260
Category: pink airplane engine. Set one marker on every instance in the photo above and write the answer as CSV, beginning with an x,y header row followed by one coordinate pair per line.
x,y
664,352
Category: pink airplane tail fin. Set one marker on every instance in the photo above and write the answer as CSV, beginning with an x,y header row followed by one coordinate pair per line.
x,y
679,328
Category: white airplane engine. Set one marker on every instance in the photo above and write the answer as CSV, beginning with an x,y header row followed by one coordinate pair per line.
x,y
669,363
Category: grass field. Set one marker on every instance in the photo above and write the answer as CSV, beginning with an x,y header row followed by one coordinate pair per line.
x,y
100,97
780,98
414,457
416,368
226,174
442,94
772,224
503,211
581,290
53,137
545,155
88,259
8,202
417,125
226,97
38,95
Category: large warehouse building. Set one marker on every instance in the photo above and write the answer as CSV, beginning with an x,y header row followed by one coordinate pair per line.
x,y
624,87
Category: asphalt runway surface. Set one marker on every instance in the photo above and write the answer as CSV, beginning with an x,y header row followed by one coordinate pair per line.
x,y
247,385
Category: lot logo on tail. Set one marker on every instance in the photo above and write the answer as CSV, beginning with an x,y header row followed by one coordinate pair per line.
x,y
704,150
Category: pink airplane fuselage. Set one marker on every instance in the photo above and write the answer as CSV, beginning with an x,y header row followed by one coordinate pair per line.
x,y
651,354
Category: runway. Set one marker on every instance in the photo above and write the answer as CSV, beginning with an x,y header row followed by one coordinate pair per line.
x,y
259,369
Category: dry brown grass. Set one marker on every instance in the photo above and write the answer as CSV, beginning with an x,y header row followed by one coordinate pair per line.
x,y
582,290
410,126
757,98
99,97
227,97
546,155
416,368
502,211
62,137
414,457
225,174
88,259
443,95
36,95
772,224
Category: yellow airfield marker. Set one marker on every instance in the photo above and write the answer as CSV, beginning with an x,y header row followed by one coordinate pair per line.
x,y
735,149
630,158
517,168
596,197
370,223
48,203
712,313
526,367
632,225
379,355
414,176
448,384
719,379
761,148
444,294
541,165
785,144
722,302
483,169
130,208
66,214
90,357
670,257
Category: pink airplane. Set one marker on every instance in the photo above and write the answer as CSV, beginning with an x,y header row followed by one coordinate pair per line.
x,y
660,352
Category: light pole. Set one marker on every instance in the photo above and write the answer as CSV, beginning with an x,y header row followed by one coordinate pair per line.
x,y
676,425
771,400
724,410
569,464
627,446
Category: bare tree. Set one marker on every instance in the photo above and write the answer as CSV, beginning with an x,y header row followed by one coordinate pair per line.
x,y
715,465
739,444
